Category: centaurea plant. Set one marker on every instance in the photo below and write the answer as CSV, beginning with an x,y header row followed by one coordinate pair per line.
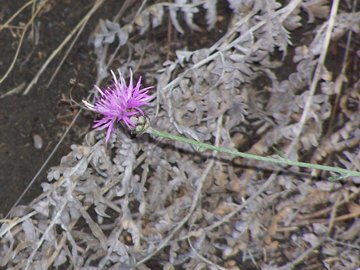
x,y
121,103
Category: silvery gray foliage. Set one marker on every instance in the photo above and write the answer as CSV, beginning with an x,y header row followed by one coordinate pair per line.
x,y
107,33
112,206
188,10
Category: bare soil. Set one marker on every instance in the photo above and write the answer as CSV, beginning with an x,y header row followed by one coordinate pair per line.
x,y
46,111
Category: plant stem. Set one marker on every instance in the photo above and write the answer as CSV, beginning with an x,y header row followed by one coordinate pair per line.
x,y
343,172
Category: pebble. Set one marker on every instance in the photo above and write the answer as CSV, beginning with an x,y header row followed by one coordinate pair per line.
x,y
37,141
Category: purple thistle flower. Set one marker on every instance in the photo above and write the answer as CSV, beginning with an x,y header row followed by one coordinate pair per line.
x,y
119,103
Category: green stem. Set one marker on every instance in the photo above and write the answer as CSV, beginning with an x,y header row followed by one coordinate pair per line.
x,y
343,172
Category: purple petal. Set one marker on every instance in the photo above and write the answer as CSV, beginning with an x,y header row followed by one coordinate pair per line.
x,y
118,102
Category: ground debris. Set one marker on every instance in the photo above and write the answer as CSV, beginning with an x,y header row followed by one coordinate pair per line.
x,y
143,203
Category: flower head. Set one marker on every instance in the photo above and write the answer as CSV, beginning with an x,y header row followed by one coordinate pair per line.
x,y
119,103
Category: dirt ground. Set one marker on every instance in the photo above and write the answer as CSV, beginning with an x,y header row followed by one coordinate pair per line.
x,y
46,111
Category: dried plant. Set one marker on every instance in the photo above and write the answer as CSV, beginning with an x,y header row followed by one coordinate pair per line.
x,y
143,203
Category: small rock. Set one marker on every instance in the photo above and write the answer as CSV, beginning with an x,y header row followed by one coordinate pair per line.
x,y
37,141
